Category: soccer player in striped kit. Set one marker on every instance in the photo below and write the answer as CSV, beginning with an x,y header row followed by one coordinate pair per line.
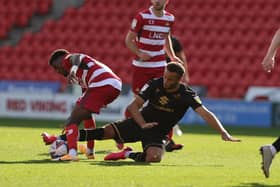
x,y
149,38
100,87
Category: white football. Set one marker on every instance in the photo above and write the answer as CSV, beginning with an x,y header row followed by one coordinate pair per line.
x,y
58,148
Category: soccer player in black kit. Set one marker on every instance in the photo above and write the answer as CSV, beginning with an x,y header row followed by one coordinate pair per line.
x,y
168,100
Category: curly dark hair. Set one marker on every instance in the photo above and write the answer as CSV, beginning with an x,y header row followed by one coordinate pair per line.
x,y
57,54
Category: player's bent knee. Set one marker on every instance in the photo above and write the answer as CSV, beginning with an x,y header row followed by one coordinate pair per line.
x,y
153,158
154,154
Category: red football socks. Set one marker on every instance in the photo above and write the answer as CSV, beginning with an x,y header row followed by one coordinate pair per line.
x,y
72,136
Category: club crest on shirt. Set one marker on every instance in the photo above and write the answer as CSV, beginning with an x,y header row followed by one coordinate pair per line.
x,y
163,100
133,24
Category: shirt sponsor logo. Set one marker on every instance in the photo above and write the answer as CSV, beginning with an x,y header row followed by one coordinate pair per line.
x,y
156,35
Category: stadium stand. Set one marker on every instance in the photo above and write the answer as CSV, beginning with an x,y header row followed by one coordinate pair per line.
x,y
225,41
18,13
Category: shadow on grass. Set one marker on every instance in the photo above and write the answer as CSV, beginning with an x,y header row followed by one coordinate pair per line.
x,y
188,129
43,154
119,163
133,163
256,185
109,163
103,152
44,161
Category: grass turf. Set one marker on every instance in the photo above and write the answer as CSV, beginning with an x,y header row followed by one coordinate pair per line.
x,y
205,160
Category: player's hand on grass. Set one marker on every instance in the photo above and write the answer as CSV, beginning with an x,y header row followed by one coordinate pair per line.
x,y
227,137
149,125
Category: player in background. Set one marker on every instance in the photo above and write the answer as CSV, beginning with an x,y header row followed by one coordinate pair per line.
x,y
167,102
149,39
179,52
100,87
269,151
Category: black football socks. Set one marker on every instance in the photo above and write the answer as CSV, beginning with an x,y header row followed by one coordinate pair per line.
x,y
84,135
137,156
276,144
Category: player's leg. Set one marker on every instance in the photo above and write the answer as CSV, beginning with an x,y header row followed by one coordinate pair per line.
x,y
151,154
170,144
104,133
153,146
125,131
276,144
121,131
153,150
268,152
78,114
98,97
89,149
154,154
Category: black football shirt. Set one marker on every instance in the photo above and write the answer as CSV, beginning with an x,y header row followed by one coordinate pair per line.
x,y
166,108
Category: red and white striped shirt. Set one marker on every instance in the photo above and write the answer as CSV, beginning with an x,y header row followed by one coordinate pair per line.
x,y
152,33
92,73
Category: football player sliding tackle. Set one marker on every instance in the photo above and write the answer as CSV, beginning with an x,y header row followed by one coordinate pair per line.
x,y
167,102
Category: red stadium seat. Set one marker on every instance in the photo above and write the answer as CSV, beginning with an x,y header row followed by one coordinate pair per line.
x,y
225,41
18,13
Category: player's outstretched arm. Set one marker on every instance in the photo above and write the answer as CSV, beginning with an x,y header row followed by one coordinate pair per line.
x,y
214,122
269,59
170,52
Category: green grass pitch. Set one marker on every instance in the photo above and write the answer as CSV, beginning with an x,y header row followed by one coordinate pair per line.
x,y
205,161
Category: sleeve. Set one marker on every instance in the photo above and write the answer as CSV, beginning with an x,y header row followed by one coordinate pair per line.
x,y
137,23
147,90
193,99
79,60
76,58
172,23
